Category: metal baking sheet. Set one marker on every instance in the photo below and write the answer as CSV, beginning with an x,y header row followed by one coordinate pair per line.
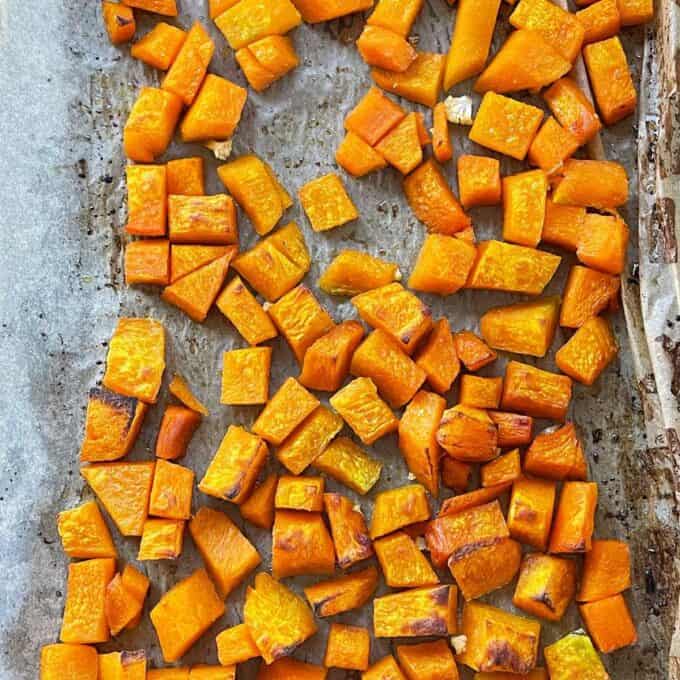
x,y
62,208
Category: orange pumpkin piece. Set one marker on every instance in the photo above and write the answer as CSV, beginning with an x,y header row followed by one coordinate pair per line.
x,y
609,623
138,584
403,563
84,619
216,7
416,612
327,360
326,203
586,293
185,259
603,243
286,667
236,645
309,439
396,15
177,428
574,657
227,554
454,536
112,424
472,351
472,499
498,641
202,219
267,60
235,466
592,184
299,493
385,669
601,20
552,146
258,508
166,7
147,262
119,21
342,594
557,454
563,225
397,508
374,116
160,46
171,491
504,469
572,109
348,464
574,522
353,271
513,429
606,571
441,140
455,474
123,665
245,376
68,662
124,490
401,146
385,49
427,661
348,647
162,539
147,200
531,511
524,199
421,82
247,22
357,157
468,434
176,673
538,393
480,392
84,533
397,312
479,181
443,265
184,613
348,528
635,12
275,264
546,586
204,672
558,27
438,357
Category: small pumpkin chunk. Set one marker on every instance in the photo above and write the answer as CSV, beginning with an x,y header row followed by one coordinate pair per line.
x,y
472,351
138,584
530,514
587,293
185,259
353,271
172,673
348,528
385,49
204,672
538,393
513,429
68,662
557,454
403,563
184,613
147,262
267,60
185,176
551,147
397,508
574,656
357,157
326,203
342,594
374,116
171,491
123,609
385,669
606,571
401,147
603,243
428,661
165,7
572,529
348,647
479,181
472,499
524,199
443,265
202,219
84,533
480,392
468,434
455,474
573,109
287,667
228,555
258,508
245,376
601,20
348,464
504,469
438,357
299,493
162,539
592,184
563,225
124,665
635,12
177,428
119,21
396,15
236,645
147,200
160,46
421,82
441,140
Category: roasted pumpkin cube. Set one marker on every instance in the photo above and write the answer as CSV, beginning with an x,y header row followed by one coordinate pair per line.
x,y
342,594
498,641
586,293
202,219
357,157
245,376
241,307
606,571
299,493
572,529
427,661
573,109
536,674
348,528
395,15
531,511
162,539
177,428
147,262
603,243
443,265
204,672
348,647
267,60
309,439
601,20
403,563
374,116
84,619
84,533
479,181
401,146
127,665
184,613
557,454
185,259
468,434
438,357
173,673
441,139
421,82
513,429
258,508
385,49
228,555
480,392
609,623
455,474
119,21
348,464
352,272
432,200
326,203
138,585
524,199
538,393
160,46
473,499
286,667
235,645
171,491
397,508
416,612
68,662
123,489
166,7
563,225
385,669
504,469
147,200
574,657
472,351
552,146
635,11
592,184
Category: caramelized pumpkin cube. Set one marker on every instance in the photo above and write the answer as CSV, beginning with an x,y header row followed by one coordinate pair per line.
x,y
236,645
202,219
443,265
348,464
397,508
147,262
245,376
147,200
258,508
524,199
162,539
119,21
572,529
480,392
84,533
468,434
574,657
479,181
455,474
348,647
606,571
538,393
472,351
438,357
513,429
586,293
326,203
403,563
557,454
374,116
504,469
348,528
385,49
342,594
421,82
358,157
299,493
171,491
603,243
531,511
160,46
301,544
177,428
592,184
68,662
573,109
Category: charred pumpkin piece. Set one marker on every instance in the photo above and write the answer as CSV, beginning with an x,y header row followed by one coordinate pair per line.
x,y
432,200
530,514
236,645
468,434
587,293
245,376
162,539
635,12
498,641
241,307
538,393
348,647
374,116
479,181
563,225
385,669
185,259
472,499
309,439
546,586
421,82
572,529
184,613
147,200
443,265
536,674
112,424
479,392
603,243
427,661
438,357
84,619
522,328
171,491
455,474
472,351
177,428
357,157
327,203
397,508
574,657
151,124
573,109
403,563
278,619
506,468
68,662
524,199
300,319
606,571
348,528
216,111
258,508
121,606
119,21
299,493
147,262
228,555
236,465
609,623
286,667
558,27
416,612
417,438
203,672
557,454
327,360
601,20
123,489
453,536
592,184
160,46
136,359
342,594
348,464
512,268
180,389
203,219
84,533
247,22
123,665
397,312
385,49
396,15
